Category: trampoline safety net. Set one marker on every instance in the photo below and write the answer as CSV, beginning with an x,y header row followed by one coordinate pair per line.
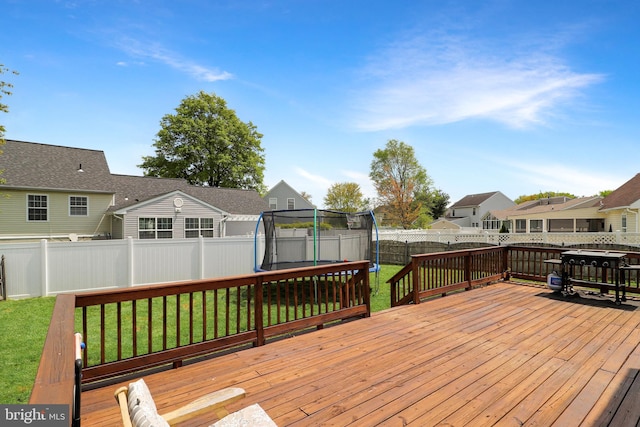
x,y
308,237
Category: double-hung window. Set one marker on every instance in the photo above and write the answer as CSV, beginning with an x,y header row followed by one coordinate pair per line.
x,y
155,228
37,207
195,227
78,206
291,203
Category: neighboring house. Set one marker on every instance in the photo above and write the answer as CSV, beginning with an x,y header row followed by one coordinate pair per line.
x,y
474,211
554,214
445,224
65,193
148,207
622,207
283,197
619,212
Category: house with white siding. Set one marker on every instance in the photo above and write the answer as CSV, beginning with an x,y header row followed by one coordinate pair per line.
x,y
617,212
63,193
473,211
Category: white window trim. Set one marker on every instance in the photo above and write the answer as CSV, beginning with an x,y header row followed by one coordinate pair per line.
x,y
27,212
200,229
273,201
69,205
155,229
291,199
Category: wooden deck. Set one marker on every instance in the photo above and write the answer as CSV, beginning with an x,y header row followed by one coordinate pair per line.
x,y
505,354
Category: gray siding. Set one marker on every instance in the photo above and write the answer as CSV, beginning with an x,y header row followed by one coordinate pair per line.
x,y
164,208
283,191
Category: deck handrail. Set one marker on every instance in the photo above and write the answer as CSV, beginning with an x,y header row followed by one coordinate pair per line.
x,y
319,295
441,272
54,382
125,330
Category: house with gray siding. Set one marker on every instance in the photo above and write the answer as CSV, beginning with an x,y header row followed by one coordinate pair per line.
x,y
282,196
64,193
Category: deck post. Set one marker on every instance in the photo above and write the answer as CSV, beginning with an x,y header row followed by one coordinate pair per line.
x,y
415,279
467,269
259,320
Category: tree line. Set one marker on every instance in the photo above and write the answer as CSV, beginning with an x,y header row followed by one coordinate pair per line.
x,y
205,143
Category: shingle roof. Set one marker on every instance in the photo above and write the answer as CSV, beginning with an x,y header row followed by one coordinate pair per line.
x,y
624,196
473,200
137,189
31,165
545,205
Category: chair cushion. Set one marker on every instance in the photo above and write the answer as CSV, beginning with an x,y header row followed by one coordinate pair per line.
x,y
142,408
250,416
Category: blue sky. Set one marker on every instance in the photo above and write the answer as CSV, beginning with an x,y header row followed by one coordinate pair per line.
x,y
514,96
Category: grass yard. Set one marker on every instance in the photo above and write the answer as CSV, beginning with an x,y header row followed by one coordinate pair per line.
x,y
24,326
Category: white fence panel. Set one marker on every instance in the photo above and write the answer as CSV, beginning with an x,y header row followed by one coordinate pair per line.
x,y
86,265
49,268
24,270
157,263
230,256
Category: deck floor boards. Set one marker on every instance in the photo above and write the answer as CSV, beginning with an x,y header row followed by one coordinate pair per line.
x,y
505,354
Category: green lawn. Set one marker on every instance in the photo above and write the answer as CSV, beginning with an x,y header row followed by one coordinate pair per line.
x,y
24,324
23,327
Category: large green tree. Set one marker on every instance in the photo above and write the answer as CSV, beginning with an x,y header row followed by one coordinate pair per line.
x,y
345,197
205,143
401,182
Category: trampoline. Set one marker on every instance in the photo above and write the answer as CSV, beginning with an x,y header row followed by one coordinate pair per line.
x,y
308,237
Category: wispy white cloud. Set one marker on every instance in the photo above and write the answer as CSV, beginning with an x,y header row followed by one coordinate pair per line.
x,y
315,179
560,177
158,53
432,80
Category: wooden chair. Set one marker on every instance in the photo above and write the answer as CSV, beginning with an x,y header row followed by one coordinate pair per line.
x,y
137,408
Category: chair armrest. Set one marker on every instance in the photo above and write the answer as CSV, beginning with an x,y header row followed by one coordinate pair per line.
x,y
121,397
215,401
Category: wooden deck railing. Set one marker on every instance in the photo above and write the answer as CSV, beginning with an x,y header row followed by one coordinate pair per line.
x,y
54,383
438,273
442,272
127,330
137,328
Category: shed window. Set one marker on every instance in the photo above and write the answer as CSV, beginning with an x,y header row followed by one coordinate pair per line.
x,y
37,207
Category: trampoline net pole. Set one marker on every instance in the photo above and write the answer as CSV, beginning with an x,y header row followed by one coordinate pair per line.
x,y
315,234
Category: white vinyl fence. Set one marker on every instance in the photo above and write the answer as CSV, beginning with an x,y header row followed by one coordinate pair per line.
x,y
558,239
48,268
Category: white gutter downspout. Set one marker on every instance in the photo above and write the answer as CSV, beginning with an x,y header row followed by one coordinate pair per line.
x,y
223,226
